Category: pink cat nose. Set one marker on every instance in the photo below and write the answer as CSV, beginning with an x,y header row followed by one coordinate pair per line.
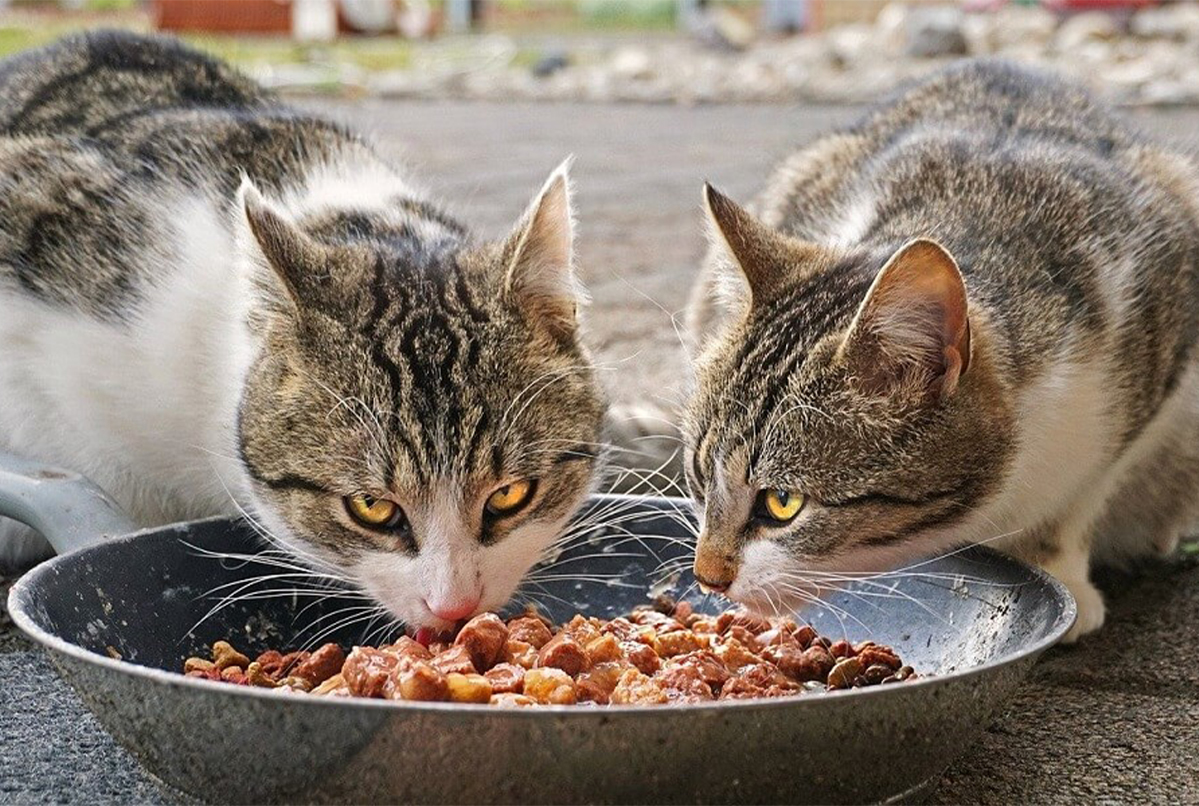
x,y
454,609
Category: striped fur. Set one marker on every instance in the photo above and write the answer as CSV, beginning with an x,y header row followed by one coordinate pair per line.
x,y
209,300
1059,422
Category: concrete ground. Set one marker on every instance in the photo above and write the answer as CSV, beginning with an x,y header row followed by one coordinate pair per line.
x,y
1115,719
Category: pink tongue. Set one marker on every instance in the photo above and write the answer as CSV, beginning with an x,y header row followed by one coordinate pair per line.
x,y
424,636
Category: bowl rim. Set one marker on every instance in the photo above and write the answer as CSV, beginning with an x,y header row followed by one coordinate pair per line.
x,y
21,604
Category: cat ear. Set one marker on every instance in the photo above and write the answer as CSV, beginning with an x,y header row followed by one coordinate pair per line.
x,y
539,255
912,332
759,251
269,239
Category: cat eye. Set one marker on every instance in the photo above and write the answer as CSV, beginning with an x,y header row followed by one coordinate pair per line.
x,y
778,506
510,498
374,513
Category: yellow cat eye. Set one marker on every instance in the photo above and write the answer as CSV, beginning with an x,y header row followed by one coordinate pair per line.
x,y
375,513
510,497
781,505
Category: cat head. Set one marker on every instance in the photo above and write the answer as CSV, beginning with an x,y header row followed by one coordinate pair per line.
x,y
421,419
846,417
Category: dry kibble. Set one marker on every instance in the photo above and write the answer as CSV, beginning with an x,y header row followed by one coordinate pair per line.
x,y
665,654
198,665
844,673
255,676
224,656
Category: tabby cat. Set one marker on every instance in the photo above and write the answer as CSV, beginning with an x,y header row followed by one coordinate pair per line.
x,y
211,301
971,317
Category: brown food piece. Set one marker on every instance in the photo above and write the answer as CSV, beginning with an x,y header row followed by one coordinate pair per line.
x,y
531,630
844,673
271,663
506,678
679,643
734,655
741,618
302,685
455,659
623,629
643,657
841,649
597,684
804,635
666,653
745,637
408,648
876,674
224,656
484,637
635,688
651,618
419,681
212,673
255,676
520,654
583,630
321,665
198,665
877,655
813,663
469,688
335,682
684,684
234,674
603,649
512,700
563,652
550,686
706,665
366,671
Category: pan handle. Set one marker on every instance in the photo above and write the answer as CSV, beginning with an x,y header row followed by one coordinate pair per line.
x,y
63,506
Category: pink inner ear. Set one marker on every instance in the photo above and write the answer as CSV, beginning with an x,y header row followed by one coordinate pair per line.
x,y
913,327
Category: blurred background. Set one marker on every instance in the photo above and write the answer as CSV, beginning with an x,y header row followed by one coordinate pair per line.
x,y
660,51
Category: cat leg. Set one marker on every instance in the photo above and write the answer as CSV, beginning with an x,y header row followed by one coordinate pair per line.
x,y
1071,565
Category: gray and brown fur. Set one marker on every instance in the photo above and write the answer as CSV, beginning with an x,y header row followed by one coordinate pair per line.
x,y
1078,240
395,351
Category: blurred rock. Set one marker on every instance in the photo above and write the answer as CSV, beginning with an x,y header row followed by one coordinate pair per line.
x,y
551,63
1084,28
935,31
1179,21
632,63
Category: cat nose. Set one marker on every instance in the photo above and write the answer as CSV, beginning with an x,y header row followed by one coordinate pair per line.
x,y
454,609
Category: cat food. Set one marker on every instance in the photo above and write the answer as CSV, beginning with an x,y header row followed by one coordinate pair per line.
x,y
656,655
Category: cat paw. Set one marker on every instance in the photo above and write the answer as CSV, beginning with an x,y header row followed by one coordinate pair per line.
x,y
1091,610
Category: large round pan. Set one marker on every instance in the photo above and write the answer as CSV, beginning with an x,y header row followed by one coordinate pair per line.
x,y
120,612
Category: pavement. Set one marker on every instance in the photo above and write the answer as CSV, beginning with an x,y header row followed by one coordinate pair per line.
x,y
1112,720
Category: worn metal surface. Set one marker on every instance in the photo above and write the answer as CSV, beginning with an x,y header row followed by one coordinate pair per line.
x,y
976,627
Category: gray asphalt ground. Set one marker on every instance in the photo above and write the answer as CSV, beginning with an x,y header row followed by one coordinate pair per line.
x,y
1113,720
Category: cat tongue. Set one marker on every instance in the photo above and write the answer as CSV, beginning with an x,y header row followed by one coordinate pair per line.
x,y
427,635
